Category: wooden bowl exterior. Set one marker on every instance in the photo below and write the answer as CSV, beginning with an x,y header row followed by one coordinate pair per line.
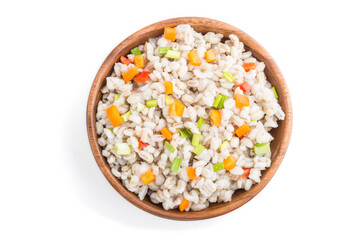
x,y
281,134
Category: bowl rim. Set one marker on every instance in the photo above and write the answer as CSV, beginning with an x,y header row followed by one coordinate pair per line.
x,y
107,67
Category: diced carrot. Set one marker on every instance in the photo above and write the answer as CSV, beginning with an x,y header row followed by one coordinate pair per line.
x,y
229,162
114,116
191,172
242,130
148,177
130,74
142,144
139,61
124,60
246,173
168,87
245,87
177,108
210,55
142,77
170,34
241,100
194,58
183,205
215,116
248,66
166,133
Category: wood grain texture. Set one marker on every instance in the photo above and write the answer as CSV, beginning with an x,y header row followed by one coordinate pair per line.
x,y
281,134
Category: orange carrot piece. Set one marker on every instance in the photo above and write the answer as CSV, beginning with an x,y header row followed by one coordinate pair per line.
x,y
124,60
166,133
139,61
148,177
210,56
168,87
130,74
241,131
170,34
194,58
177,108
191,172
215,116
241,100
183,205
248,66
229,162
245,174
114,116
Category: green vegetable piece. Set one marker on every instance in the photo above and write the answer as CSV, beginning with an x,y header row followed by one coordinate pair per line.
x,y
122,149
169,147
195,139
168,100
175,165
164,50
126,116
228,76
221,103
111,129
151,103
198,149
200,122
139,107
173,54
224,145
217,101
254,120
117,96
185,133
218,167
262,148
275,92
135,51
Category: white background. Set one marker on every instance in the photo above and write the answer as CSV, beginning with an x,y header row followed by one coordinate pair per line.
x,y
51,187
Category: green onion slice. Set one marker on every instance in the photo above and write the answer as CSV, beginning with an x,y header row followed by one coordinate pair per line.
x,y
262,148
217,101
218,167
117,96
169,147
185,133
198,149
122,149
222,100
173,54
228,76
175,165
135,51
164,50
224,145
195,139
126,116
275,92
151,103
200,122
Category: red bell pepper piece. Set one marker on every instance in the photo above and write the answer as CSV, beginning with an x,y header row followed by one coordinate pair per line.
x,y
245,87
124,60
246,173
142,77
142,144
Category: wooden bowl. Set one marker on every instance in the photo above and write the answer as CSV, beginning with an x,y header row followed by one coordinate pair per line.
x,y
281,134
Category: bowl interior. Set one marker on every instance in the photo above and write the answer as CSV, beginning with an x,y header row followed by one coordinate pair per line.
x,y
281,134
